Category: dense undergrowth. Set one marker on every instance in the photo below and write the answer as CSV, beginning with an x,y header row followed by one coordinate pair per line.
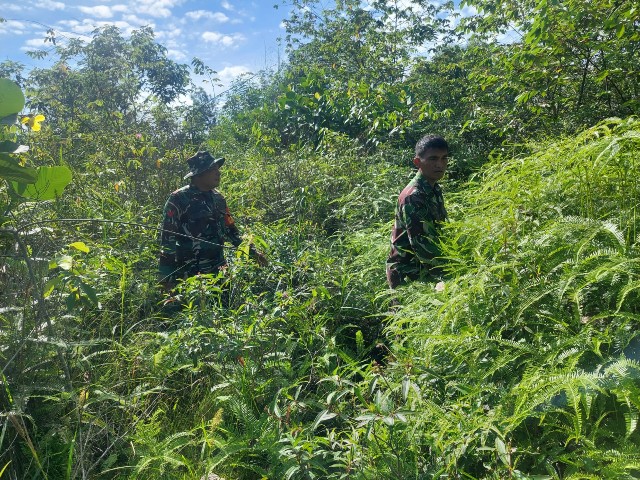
x,y
526,366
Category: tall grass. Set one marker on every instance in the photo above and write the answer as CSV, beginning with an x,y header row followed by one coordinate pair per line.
x,y
526,366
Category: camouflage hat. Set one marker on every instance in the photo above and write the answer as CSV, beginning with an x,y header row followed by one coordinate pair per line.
x,y
201,162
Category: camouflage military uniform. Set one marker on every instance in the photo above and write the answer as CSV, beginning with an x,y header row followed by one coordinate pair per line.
x,y
195,227
419,214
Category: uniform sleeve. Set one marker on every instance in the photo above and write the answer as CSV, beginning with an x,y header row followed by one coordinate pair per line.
x,y
168,245
421,230
231,231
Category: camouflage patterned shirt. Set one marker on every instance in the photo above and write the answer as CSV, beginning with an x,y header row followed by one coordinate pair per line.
x,y
419,214
195,226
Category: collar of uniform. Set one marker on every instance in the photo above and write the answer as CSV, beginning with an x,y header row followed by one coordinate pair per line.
x,y
424,185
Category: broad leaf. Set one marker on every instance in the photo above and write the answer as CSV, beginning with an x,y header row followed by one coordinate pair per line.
x,y
49,184
9,119
81,246
8,146
11,98
11,170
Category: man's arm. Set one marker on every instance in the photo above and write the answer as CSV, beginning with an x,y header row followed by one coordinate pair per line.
x,y
231,230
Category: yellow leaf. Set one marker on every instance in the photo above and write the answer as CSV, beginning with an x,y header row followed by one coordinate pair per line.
x,y
117,187
80,246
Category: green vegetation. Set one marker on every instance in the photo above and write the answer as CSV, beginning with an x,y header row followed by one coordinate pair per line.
x,y
526,366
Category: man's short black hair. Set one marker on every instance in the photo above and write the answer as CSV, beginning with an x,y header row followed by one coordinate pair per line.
x,y
430,141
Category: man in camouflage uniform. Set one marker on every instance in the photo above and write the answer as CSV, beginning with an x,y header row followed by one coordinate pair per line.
x,y
419,215
196,224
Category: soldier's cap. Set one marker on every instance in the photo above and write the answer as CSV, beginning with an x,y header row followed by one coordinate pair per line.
x,y
201,162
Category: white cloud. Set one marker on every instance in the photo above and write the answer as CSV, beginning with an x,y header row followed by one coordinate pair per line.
x,y
136,20
156,8
225,40
227,74
51,5
168,35
13,8
35,43
69,23
121,8
468,11
177,55
13,27
205,14
87,26
227,6
99,11
460,13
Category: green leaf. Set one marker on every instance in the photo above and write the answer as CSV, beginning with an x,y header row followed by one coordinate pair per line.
x,y
11,170
322,416
65,262
11,98
8,146
90,292
50,285
9,119
373,385
4,468
524,97
406,383
71,301
81,246
49,184
501,448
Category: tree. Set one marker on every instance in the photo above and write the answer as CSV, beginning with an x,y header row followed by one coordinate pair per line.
x,y
347,67
109,78
573,62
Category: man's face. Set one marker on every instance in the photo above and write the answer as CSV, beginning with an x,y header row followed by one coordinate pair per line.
x,y
209,179
433,164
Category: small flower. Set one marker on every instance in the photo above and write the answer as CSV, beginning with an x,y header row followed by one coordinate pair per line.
x,y
33,122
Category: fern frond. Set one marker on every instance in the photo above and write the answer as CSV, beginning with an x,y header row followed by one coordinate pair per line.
x,y
622,295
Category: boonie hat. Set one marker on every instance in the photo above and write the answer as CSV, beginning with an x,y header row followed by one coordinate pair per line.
x,y
201,162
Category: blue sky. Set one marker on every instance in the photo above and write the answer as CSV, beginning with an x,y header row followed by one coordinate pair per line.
x,y
230,36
